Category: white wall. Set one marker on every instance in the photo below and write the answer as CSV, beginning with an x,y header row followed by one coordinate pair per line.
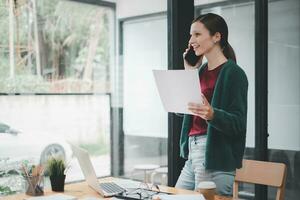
x,y
203,2
130,8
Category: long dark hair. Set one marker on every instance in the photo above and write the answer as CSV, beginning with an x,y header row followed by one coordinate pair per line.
x,y
215,23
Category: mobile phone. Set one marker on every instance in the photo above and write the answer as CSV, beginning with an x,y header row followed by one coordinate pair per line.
x,y
191,57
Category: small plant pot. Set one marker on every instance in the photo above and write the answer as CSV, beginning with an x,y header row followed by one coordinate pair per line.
x,y
58,183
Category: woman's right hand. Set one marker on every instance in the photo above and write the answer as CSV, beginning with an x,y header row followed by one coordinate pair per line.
x,y
187,65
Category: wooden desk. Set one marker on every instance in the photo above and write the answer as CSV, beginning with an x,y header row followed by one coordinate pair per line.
x,y
81,190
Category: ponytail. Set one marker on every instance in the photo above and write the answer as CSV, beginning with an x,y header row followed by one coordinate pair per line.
x,y
229,52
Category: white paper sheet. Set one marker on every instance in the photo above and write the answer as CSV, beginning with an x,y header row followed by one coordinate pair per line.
x,y
54,197
177,88
127,183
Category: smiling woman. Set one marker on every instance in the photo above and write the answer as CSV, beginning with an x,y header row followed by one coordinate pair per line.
x,y
217,126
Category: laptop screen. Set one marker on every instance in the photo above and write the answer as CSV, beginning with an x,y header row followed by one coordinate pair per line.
x,y
86,166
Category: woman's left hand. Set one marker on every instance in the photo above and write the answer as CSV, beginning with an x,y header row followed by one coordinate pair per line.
x,y
204,110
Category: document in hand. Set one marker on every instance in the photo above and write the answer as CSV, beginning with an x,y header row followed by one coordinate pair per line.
x,y
177,88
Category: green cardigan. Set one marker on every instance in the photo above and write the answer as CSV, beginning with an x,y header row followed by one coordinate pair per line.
x,y
226,132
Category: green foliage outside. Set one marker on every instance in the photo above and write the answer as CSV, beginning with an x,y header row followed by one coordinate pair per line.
x,y
5,190
66,31
12,178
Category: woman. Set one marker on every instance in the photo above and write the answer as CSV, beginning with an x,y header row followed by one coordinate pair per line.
x,y
213,138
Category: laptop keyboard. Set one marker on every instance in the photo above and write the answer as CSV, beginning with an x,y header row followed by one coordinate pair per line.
x,y
111,188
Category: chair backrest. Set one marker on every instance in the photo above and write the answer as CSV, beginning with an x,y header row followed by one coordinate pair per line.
x,y
264,173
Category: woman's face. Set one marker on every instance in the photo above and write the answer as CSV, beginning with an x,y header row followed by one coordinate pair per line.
x,y
200,39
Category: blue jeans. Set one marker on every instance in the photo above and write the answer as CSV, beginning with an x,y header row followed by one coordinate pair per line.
x,y
194,170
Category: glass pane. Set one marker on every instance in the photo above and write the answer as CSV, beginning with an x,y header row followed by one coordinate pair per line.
x,y
145,121
240,21
57,47
284,93
45,125
62,51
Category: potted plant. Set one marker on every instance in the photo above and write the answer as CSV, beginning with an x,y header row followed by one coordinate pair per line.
x,y
56,168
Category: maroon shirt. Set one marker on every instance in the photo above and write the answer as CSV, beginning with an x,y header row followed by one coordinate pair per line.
x,y
207,82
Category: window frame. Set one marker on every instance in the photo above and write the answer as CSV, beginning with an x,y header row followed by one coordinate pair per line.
x,y
105,4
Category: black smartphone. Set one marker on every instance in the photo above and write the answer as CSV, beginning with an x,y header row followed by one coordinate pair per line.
x,y
191,57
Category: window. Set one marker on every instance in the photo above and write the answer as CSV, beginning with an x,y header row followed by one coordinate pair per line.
x,y
145,120
284,94
55,84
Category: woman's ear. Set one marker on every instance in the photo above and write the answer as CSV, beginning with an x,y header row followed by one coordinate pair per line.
x,y
217,37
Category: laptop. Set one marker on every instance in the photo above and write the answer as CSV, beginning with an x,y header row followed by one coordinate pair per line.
x,y
107,189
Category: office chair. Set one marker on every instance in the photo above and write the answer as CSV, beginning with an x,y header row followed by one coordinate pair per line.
x,y
264,173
